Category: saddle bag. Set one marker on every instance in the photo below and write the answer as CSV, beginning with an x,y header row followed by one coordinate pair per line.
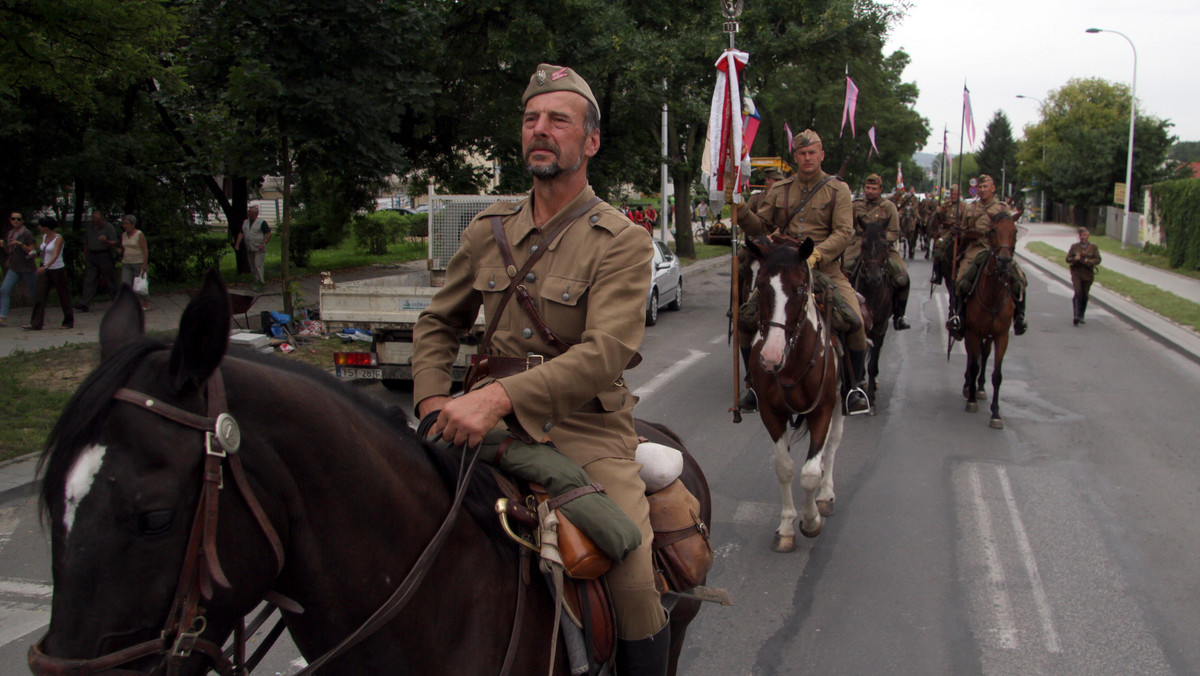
x,y
682,551
582,559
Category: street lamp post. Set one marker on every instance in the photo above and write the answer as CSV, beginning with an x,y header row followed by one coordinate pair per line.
x,y
1132,118
1043,105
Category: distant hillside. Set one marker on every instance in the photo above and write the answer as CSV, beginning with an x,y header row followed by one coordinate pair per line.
x,y
924,159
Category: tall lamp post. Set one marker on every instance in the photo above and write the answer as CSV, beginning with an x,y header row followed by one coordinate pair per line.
x,y
1043,105
1132,117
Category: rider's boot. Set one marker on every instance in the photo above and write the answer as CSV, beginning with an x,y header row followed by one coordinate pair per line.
x,y
645,657
749,400
856,399
954,325
1020,326
899,307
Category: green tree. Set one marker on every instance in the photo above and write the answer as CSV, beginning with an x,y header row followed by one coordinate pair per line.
x,y
997,156
1084,135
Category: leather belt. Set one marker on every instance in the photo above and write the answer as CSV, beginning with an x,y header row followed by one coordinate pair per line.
x,y
502,367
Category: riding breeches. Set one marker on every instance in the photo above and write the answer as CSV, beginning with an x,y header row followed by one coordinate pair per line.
x,y
631,582
846,302
968,271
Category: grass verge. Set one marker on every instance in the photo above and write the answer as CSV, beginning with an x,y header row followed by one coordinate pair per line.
x,y
1109,245
1148,296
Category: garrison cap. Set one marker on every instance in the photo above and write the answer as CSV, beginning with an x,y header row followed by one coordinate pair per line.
x,y
984,177
548,78
873,179
804,139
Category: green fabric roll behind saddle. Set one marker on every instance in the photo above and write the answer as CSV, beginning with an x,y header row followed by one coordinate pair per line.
x,y
595,513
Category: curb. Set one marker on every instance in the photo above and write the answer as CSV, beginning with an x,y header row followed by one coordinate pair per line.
x,y
1154,325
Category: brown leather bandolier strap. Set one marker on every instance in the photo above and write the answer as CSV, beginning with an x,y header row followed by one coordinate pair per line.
x,y
807,198
559,501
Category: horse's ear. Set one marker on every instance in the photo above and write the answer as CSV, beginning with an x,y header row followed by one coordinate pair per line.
x,y
123,322
806,248
758,247
203,335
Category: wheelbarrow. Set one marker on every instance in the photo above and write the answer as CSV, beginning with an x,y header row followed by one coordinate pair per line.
x,y
239,304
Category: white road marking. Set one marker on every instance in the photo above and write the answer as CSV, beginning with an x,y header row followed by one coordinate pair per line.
x,y
723,338
1001,604
1035,579
25,588
669,374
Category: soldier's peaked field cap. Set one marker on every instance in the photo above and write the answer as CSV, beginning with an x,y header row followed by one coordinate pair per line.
x,y
804,139
873,179
549,78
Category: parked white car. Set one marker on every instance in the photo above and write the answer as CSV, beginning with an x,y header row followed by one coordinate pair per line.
x,y
666,286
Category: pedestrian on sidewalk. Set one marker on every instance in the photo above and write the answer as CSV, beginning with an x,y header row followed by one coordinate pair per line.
x,y
1083,257
135,257
100,238
52,272
20,250
255,233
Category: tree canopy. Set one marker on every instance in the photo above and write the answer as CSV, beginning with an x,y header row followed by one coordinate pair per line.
x,y
997,156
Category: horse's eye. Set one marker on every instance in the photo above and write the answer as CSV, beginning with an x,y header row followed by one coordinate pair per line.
x,y
155,522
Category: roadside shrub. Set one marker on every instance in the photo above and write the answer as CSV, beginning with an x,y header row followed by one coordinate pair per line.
x,y
416,225
182,256
375,231
1178,205
302,239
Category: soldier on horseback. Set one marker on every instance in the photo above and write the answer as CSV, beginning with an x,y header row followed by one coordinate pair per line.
x,y
817,205
977,221
874,209
949,219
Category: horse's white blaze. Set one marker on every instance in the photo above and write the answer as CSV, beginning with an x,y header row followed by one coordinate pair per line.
x,y
79,481
775,340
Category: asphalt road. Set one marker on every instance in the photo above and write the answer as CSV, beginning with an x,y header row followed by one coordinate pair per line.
x,y
1063,544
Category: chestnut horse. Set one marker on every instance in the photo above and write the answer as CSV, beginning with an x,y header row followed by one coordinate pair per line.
x,y
184,485
794,371
871,278
988,314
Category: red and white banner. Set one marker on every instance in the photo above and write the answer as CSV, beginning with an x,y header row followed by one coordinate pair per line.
x,y
946,151
968,117
871,135
725,120
849,106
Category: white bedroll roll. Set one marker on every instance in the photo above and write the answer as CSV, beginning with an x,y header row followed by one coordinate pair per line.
x,y
661,465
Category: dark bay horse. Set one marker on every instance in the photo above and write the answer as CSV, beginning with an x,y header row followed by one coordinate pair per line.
x,y
988,314
302,490
794,370
909,229
871,278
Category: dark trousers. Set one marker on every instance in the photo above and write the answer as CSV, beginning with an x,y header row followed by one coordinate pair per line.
x,y
57,279
1082,287
99,266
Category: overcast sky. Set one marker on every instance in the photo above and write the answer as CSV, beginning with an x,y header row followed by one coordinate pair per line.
x,y
1033,47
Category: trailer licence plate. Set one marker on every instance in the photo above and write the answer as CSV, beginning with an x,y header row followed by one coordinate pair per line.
x,y
350,372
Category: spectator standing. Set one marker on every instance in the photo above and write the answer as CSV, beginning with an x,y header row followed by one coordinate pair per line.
x,y
20,250
100,238
255,233
651,219
135,256
638,216
52,272
702,212
1083,257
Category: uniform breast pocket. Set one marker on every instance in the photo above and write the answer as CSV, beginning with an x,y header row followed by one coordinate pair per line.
x,y
564,306
491,283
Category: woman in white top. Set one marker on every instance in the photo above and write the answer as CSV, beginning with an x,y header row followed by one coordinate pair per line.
x,y
135,257
51,273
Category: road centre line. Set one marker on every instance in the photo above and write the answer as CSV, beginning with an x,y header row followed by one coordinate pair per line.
x,y
1000,602
669,374
1031,569
25,588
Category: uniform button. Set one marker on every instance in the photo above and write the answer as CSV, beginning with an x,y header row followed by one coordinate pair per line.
x,y
595,218
531,278
533,249
527,333
547,426
491,284
566,296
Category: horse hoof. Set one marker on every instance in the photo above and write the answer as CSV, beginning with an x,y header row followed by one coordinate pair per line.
x,y
981,394
814,532
783,544
972,407
825,508
996,424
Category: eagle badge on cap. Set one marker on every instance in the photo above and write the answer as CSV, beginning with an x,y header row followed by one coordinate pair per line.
x,y
541,77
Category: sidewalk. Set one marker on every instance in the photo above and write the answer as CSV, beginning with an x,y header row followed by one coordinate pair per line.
x,y
17,475
1180,338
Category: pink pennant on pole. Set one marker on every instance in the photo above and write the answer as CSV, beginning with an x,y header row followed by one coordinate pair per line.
x,y
850,105
788,131
871,135
968,116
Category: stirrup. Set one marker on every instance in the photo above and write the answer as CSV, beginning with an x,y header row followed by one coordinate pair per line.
x,y
849,409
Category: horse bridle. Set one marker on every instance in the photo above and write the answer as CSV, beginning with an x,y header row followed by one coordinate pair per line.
x,y
790,338
181,634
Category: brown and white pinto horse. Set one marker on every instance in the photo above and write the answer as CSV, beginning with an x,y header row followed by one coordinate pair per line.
x,y
988,314
794,371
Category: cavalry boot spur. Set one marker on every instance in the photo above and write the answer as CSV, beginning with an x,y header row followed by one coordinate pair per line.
x,y
954,323
856,399
1020,326
645,657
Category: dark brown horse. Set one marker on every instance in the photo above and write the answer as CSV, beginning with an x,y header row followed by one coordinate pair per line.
x,y
794,370
909,229
871,278
988,314
169,522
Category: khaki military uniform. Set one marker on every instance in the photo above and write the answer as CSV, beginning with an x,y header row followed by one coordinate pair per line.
x,y
1083,259
828,219
977,223
590,288
949,216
